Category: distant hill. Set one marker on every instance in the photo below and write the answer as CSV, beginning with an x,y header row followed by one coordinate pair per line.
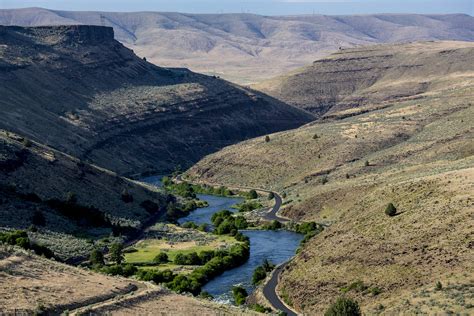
x,y
402,133
355,80
77,90
247,48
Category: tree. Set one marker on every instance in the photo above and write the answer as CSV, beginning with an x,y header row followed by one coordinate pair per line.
x,y
271,196
116,253
391,210
252,194
343,307
258,275
367,163
161,258
96,257
240,294
267,139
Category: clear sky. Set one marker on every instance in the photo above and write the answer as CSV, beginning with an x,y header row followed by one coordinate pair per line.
x,y
265,7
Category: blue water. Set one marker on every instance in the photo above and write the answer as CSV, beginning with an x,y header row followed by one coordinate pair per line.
x,y
216,204
275,246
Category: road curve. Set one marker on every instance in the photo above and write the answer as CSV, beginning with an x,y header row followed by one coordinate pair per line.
x,y
272,215
269,291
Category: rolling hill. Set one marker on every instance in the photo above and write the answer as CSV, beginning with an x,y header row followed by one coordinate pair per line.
x,y
355,80
395,136
79,91
247,48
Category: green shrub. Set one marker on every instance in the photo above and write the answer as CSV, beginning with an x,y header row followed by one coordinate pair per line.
x,y
260,308
271,196
259,274
274,225
97,257
343,307
391,210
240,294
438,286
267,139
375,291
252,194
161,258
189,225
116,253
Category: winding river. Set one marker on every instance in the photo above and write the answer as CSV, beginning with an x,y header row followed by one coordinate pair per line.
x,y
276,246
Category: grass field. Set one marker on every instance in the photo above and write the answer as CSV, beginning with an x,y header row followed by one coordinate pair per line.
x,y
176,240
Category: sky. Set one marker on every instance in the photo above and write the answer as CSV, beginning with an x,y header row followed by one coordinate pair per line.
x,y
264,7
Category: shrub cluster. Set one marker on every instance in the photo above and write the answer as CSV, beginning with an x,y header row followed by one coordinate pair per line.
x,y
239,294
225,223
260,273
273,225
343,306
248,206
125,270
309,230
20,238
193,282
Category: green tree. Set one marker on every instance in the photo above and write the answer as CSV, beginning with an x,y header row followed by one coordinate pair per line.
x,y
252,194
343,307
96,257
267,139
390,210
240,294
271,196
161,258
116,253
258,275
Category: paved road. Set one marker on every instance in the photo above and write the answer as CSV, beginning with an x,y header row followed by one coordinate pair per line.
x,y
272,215
269,291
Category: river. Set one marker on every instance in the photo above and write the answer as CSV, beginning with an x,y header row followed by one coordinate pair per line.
x,y
275,246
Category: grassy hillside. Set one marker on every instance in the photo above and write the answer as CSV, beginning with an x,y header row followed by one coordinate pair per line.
x,y
248,48
414,152
76,89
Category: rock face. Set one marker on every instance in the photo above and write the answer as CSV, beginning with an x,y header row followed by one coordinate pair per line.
x,y
80,91
345,82
248,48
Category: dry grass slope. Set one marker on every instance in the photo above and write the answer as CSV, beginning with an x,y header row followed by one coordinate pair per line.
x,y
415,152
247,48
31,284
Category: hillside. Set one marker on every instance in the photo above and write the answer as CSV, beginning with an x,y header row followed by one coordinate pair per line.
x,y
35,285
415,152
77,90
357,80
32,176
248,48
